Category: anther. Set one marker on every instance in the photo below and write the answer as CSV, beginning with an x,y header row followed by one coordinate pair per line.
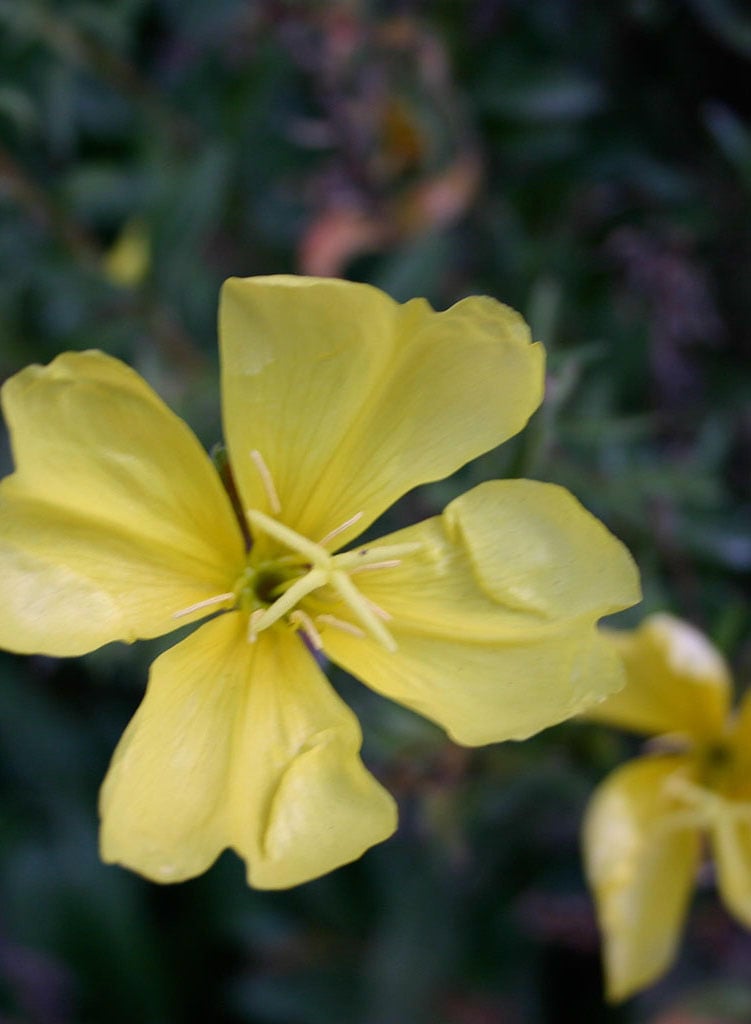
x,y
301,619
252,625
209,602
340,529
267,480
377,610
341,624
389,563
349,593
381,556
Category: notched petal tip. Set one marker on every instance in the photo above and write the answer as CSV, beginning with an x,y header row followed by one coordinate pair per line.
x,y
325,811
241,746
495,620
535,548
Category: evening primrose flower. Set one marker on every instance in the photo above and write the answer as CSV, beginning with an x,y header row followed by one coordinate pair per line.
x,y
337,400
127,262
644,827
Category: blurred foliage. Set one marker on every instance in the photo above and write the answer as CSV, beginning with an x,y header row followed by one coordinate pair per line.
x,y
588,163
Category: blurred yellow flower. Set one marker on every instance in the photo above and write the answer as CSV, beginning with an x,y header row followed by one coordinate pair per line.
x,y
127,262
644,827
337,400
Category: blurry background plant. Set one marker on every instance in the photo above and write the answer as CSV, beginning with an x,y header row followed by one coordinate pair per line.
x,y
588,163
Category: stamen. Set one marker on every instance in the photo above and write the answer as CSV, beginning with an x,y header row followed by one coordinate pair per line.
x,y
684,789
300,588
326,569
392,550
340,529
740,812
312,552
377,610
683,819
267,480
360,606
300,618
706,804
387,553
389,563
342,624
253,629
209,602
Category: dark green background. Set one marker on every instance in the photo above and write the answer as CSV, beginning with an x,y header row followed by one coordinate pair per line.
x,y
588,163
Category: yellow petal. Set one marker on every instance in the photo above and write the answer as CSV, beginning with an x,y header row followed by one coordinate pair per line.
x,y
641,861
536,549
731,844
677,681
494,617
114,519
488,690
725,806
740,741
245,746
127,262
352,399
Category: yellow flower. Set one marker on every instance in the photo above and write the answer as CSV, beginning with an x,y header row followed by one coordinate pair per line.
x,y
337,400
644,826
127,262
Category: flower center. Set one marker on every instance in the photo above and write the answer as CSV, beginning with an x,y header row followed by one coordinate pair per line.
x,y
715,761
277,589
269,582
722,768
259,586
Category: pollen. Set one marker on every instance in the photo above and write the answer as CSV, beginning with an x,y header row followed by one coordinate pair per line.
x,y
337,531
209,602
267,480
341,624
306,625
